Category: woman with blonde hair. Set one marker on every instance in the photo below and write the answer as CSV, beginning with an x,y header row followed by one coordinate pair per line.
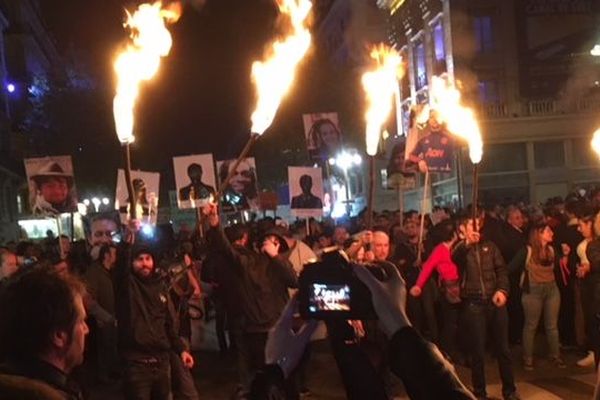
x,y
541,295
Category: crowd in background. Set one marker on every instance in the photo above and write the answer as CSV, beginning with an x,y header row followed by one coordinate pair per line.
x,y
497,276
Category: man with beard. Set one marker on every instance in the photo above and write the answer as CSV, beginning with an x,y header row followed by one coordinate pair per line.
x,y
147,332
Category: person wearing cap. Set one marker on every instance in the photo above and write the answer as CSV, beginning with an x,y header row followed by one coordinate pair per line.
x,y
147,333
53,187
262,281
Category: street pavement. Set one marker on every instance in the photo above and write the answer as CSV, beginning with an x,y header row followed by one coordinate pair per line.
x,y
216,376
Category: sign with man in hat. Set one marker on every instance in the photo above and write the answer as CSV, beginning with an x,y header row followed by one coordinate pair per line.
x,y
51,185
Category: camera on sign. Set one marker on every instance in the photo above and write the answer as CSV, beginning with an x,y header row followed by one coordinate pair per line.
x,y
329,289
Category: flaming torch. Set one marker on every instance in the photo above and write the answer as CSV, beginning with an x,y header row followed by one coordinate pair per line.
x,y
274,76
596,142
380,85
461,122
139,61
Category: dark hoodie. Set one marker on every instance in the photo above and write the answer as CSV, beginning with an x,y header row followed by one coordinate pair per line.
x,y
262,282
146,327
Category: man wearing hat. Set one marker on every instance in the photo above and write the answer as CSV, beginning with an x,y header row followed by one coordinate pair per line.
x,y
53,190
146,327
261,279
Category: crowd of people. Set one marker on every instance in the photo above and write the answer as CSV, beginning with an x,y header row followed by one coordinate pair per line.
x,y
117,307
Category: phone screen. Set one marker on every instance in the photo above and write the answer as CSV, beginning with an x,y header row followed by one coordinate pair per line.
x,y
329,297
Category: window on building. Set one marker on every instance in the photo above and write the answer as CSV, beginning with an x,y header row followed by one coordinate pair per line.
x,y
488,91
504,157
582,154
438,41
420,65
384,179
549,154
482,26
404,81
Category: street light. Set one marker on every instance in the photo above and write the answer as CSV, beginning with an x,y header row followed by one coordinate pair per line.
x,y
595,51
345,160
105,201
96,201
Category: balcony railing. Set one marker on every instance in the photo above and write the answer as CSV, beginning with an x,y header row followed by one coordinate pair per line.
x,y
540,108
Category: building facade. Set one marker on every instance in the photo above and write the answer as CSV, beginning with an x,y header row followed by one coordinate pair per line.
x,y
27,52
525,67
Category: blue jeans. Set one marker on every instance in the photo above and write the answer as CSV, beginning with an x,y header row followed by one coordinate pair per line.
x,y
481,317
542,297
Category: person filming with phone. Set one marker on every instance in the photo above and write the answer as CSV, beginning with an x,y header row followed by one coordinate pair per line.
x,y
262,277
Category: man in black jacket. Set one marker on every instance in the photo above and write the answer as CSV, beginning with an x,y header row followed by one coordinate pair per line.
x,y
263,278
42,335
484,290
146,327
513,240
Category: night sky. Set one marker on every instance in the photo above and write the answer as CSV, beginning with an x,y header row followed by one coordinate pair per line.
x,y
202,98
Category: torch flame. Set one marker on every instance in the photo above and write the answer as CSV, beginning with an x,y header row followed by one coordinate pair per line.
x,y
380,86
274,76
596,142
460,120
150,40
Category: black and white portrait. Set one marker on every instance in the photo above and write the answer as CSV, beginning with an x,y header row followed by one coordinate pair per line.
x,y
306,191
195,179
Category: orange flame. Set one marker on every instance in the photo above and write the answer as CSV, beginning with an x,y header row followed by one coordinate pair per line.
x,y
380,87
150,41
274,76
596,142
460,120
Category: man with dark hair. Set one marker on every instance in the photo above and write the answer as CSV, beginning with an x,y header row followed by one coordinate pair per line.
x,y
42,339
101,307
147,331
262,279
484,291
514,238
306,199
196,190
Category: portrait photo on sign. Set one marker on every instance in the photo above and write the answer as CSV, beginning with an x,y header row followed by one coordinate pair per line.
x,y
51,185
434,146
400,172
242,191
323,134
306,191
194,179
145,189
102,228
